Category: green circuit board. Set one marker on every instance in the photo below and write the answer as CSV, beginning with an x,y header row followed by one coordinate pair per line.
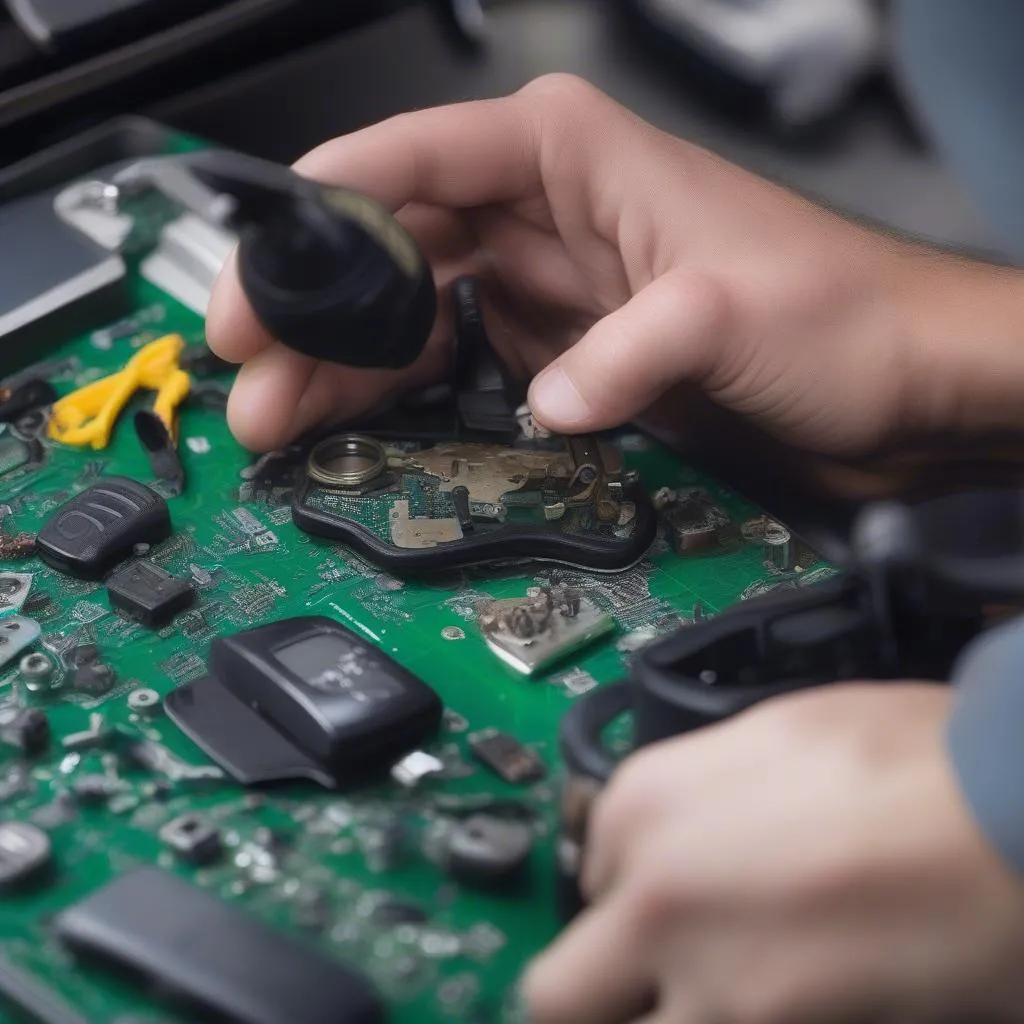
x,y
309,861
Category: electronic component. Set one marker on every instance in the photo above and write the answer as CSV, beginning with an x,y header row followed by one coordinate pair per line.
x,y
697,524
16,633
149,593
23,398
155,757
187,259
329,272
143,699
24,851
31,996
37,670
486,850
93,679
14,588
304,697
415,767
425,507
97,529
158,443
232,966
193,838
26,729
506,756
58,274
530,633
92,789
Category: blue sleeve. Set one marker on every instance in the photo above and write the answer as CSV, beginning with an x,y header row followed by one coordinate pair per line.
x,y
986,736
962,65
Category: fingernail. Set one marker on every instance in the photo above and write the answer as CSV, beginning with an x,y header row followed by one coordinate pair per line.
x,y
554,396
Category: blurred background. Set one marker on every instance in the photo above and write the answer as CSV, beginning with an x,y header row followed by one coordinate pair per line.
x,y
802,91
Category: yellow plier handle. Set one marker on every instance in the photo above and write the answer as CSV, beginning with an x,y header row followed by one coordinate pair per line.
x,y
87,416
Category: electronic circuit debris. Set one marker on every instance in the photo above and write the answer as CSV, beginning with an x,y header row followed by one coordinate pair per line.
x,y
97,529
16,633
25,729
37,670
532,632
486,851
235,967
149,593
506,756
24,851
14,590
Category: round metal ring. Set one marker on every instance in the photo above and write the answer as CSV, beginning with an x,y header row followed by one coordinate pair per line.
x,y
346,460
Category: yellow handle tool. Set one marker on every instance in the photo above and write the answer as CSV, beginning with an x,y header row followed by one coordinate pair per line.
x,y
87,416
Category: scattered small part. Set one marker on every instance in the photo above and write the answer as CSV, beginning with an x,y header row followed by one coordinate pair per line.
x,y
697,524
15,782
460,498
94,678
415,767
159,445
97,529
15,454
779,549
37,670
234,967
528,426
141,550
92,789
27,729
391,911
453,633
33,998
82,655
193,838
25,397
59,811
149,593
347,462
155,757
531,633
506,756
304,697
199,445
97,735
16,633
14,588
484,850
24,851
18,547
143,699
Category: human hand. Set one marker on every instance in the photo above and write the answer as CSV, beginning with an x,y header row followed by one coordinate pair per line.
x,y
630,263
811,860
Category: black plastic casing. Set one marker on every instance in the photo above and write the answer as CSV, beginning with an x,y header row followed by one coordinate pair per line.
x,y
98,528
339,730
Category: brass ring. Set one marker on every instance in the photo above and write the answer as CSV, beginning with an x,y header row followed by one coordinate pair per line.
x,y
346,460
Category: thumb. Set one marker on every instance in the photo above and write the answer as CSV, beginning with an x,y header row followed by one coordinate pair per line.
x,y
668,332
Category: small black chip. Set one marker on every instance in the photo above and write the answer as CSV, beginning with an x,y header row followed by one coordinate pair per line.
x,y
28,730
94,678
97,529
149,594
506,756
223,962
193,838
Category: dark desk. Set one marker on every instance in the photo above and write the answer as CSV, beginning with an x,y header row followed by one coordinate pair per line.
x,y
400,63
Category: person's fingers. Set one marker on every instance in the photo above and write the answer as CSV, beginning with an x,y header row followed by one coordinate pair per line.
x,y
266,395
670,331
232,329
456,156
595,972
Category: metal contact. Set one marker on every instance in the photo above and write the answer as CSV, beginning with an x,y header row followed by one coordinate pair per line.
x,y
347,460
